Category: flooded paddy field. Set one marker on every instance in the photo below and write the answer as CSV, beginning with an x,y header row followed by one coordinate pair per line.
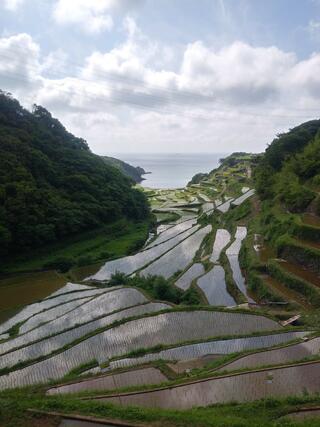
x,y
23,289
131,378
243,387
213,285
278,356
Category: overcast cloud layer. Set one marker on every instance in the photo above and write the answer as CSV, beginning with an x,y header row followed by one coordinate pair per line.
x,y
140,93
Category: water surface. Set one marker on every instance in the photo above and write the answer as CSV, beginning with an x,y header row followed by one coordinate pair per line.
x,y
172,170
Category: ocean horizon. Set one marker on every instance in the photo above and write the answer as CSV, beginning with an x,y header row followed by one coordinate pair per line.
x,y
171,170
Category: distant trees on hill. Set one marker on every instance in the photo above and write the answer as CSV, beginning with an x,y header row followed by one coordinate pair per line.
x,y
51,185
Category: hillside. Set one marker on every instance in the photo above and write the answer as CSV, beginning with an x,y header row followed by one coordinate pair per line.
x,y
282,252
289,171
135,173
195,322
51,185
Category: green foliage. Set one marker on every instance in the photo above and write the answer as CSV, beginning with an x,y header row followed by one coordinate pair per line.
x,y
62,264
262,413
134,173
196,179
158,288
51,185
256,285
290,143
232,287
290,167
295,196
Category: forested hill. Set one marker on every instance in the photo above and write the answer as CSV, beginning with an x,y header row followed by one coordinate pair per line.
x,y
135,173
289,171
51,185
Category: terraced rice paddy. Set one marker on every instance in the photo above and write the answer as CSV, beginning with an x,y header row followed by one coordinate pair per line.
x,y
46,304
300,272
195,271
172,232
245,387
22,289
4,336
167,328
53,343
311,219
137,377
233,256
208,208
178,258
130,264
214,287
284,292
163,227
243,198
51,314
224,207
70,287
111,301
222,239
279,356
204,197
218,347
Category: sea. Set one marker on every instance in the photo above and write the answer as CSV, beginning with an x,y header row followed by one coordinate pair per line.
x,y
171,170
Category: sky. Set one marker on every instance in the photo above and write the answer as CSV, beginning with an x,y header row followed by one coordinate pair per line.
x,y
167,76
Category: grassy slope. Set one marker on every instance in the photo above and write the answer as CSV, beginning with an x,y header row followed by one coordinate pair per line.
x,y
261,413
111,241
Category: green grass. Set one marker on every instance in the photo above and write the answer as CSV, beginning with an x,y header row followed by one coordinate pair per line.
x,y
262,413
112,241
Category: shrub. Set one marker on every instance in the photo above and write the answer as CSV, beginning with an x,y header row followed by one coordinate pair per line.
x,y
84,260
62,264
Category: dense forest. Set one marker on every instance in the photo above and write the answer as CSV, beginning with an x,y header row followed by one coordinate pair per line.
x,y
289,171
52,185
135,173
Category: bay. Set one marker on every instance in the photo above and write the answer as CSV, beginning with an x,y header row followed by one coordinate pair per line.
x,y
171,170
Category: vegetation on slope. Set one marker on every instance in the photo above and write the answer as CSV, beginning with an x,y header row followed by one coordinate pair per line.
x,y
263,413
289,171
51,185
135,173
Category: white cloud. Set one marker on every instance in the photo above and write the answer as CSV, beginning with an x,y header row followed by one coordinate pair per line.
x,y
125,99
91,15
19,65
12,4
55,61
314,30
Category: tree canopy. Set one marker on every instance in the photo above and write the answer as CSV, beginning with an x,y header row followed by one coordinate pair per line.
x,y
289,171
51,184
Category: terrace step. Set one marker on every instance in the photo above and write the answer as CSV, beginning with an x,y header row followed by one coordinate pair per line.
x,y
275,382
283,291
300,272
311,219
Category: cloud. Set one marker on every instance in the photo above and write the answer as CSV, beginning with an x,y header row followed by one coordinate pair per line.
x,y
12,5
19,63
314,30
91,15
127,99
